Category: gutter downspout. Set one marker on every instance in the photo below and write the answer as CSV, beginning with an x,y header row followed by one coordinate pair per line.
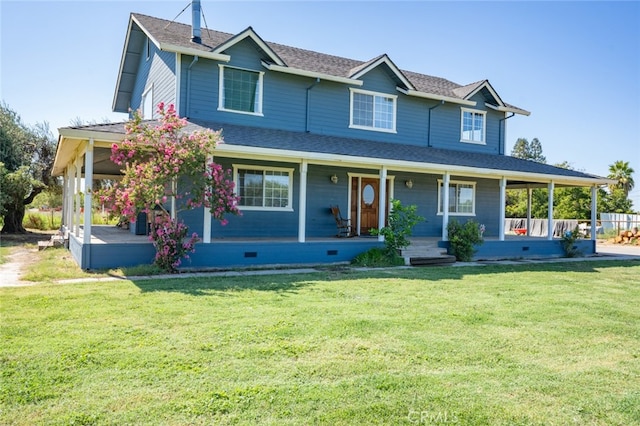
x,y
429,128
188,110
307,113
502,145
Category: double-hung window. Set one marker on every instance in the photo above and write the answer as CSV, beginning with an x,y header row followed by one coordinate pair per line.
x,y
262,188
462,198
373,111
240,90
473,126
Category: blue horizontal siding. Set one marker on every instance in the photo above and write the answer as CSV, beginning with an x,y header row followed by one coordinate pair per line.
x,y
322,193
227,254
158,71
285,98
527,248
261,253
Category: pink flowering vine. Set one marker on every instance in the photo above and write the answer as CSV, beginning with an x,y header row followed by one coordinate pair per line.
x,y
162,161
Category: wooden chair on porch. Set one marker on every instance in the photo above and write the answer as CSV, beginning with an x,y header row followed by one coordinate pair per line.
x,y
344,225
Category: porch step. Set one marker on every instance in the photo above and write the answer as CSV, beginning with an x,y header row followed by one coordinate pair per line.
x,y
426,252
55,241
432,261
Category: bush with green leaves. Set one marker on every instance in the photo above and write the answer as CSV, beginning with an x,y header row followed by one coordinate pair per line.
x,y
568,242
399,227
463,238
377,257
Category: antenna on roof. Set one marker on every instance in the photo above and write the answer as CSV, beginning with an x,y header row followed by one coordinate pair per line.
x,y
176,17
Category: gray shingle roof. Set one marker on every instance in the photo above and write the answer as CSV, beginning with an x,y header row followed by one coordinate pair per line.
x,y
310,143
179,34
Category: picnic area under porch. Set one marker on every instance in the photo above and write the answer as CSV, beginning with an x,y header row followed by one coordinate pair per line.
x,y
110,247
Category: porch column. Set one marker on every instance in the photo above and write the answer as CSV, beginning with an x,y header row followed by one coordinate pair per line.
x,y
503,206
68,198
174,186
594,211
550,212
382,202
88,191
206,224
529,193
445,205
302,203
77,196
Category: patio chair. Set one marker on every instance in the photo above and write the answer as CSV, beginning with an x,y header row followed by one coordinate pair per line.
x,y
344,225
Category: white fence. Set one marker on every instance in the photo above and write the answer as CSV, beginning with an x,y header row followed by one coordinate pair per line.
x,y
619,221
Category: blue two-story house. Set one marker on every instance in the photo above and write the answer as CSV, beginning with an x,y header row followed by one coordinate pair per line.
x,y
302,131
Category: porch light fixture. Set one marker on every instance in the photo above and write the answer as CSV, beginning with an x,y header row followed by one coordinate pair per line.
x,y
334,178
409,183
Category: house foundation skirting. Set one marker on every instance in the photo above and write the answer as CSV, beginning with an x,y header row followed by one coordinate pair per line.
x,y
242,254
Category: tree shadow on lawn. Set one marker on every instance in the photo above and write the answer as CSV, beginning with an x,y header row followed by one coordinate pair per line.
x,y
286,282
223,285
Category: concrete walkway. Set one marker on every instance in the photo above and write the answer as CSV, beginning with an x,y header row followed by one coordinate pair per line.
x,y
11,271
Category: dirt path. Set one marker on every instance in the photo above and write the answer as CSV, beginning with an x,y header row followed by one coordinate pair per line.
x,y
24,251
15,265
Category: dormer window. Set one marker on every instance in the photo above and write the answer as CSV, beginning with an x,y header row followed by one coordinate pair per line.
x,y
240,90
373,111
473,126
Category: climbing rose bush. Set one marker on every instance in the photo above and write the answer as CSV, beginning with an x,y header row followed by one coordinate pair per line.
x,y
160,161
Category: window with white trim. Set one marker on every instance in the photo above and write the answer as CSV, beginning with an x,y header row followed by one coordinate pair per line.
x,y
372,111
473,126
240,90
462,198
264,188
147,104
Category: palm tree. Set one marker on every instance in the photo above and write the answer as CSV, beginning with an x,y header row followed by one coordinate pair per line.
x,y
621,172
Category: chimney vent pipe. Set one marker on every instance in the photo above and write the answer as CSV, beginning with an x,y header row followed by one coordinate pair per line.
x,y
195,21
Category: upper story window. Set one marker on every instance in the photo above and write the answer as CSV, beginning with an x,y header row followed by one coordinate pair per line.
x,y
147,48
462,198
373,111
240,90
264,188
473,126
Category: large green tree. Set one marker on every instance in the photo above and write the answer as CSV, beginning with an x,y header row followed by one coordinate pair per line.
x,y
26,160
623,173
529,150
517,198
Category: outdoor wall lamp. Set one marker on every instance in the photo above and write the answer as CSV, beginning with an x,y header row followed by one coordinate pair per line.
x,y
334,178
409,183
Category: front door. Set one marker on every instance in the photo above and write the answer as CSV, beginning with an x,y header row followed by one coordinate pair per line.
x,y
369,192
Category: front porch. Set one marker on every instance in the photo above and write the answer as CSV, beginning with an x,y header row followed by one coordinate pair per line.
x,y
112,247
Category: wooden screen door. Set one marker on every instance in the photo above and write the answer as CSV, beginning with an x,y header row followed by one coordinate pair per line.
x,y
365,203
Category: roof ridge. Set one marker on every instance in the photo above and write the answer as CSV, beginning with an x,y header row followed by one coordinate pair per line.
x,y
302,58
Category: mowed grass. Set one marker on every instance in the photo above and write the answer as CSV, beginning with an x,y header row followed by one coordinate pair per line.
x,y
502,345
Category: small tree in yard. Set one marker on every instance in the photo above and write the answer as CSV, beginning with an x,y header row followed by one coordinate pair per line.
x,y
154,159
400,225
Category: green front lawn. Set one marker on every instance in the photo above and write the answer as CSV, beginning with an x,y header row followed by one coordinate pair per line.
x,y
532,344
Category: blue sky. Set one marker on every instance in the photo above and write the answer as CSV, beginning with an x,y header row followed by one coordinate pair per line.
x,y
574,65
